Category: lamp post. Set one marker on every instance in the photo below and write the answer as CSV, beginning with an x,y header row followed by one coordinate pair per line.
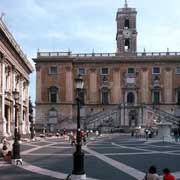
x,y
78,156
31,119
16,158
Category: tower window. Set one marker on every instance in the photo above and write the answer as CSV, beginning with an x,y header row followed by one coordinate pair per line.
x,y
130,98
127,45
126,23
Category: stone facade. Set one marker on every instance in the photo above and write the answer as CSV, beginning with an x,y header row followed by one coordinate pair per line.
x,y
126,78
14,74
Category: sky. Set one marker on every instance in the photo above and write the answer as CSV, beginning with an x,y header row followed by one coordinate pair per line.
x,y
86,25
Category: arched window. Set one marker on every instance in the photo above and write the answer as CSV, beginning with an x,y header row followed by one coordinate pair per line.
x,y
127,44
104,96
130,98
126,23
53,94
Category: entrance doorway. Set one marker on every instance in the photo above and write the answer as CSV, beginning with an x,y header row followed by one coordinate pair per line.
x,y
133,118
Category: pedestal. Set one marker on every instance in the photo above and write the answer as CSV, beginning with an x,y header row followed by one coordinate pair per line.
x,y
164,130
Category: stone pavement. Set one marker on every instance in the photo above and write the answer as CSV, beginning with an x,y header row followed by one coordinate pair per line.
x,y
107,157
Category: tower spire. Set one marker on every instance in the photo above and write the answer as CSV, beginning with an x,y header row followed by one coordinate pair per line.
x,y
125,4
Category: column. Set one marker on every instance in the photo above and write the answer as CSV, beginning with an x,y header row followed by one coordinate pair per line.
x,y
13,103
27,105
93,86
3,120
21,120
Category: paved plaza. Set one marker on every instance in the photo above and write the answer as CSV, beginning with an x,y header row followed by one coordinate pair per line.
x,y
109,157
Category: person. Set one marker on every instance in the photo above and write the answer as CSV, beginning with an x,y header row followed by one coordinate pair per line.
x,y
84,138
64,131
167,175
6,153
146,132
73,138
176,135
152,174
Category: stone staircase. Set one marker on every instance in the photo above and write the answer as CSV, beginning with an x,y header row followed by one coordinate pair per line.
x,y
110,118
163,115
107,119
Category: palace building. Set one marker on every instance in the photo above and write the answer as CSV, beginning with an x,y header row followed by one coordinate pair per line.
x,y
14,74
123,89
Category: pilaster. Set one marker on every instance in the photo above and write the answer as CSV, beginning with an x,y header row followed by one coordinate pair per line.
x,y
93,86
69,84
38,84
116,89
144,85
168,85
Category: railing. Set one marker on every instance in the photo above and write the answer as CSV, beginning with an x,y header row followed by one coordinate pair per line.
x,y
164,115
138,54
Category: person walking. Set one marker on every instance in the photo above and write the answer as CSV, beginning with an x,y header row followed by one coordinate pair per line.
x,y
167,175
152,174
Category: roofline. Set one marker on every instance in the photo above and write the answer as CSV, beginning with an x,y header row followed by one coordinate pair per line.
x,y
15,45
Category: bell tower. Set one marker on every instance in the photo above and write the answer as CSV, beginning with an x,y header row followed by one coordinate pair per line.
x,y
126,36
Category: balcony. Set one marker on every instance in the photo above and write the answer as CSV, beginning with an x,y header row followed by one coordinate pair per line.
x,y
130,80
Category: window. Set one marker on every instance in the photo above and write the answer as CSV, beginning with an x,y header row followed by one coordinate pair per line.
x,y
156,70
156,97
126,23
178,97
81,71
104,96
104,71
127,44
177,70
130,98
53,94
131,71
53,70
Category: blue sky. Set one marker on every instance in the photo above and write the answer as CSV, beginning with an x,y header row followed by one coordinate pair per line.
x,y
84,25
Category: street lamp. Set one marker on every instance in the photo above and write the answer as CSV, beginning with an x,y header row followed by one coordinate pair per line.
x,y
16,158
78,156
32,131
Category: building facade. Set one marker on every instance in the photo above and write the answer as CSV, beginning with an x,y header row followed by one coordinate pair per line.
x,y
14,74
122,89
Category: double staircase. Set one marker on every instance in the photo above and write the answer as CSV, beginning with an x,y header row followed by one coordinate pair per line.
x,y
111,118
